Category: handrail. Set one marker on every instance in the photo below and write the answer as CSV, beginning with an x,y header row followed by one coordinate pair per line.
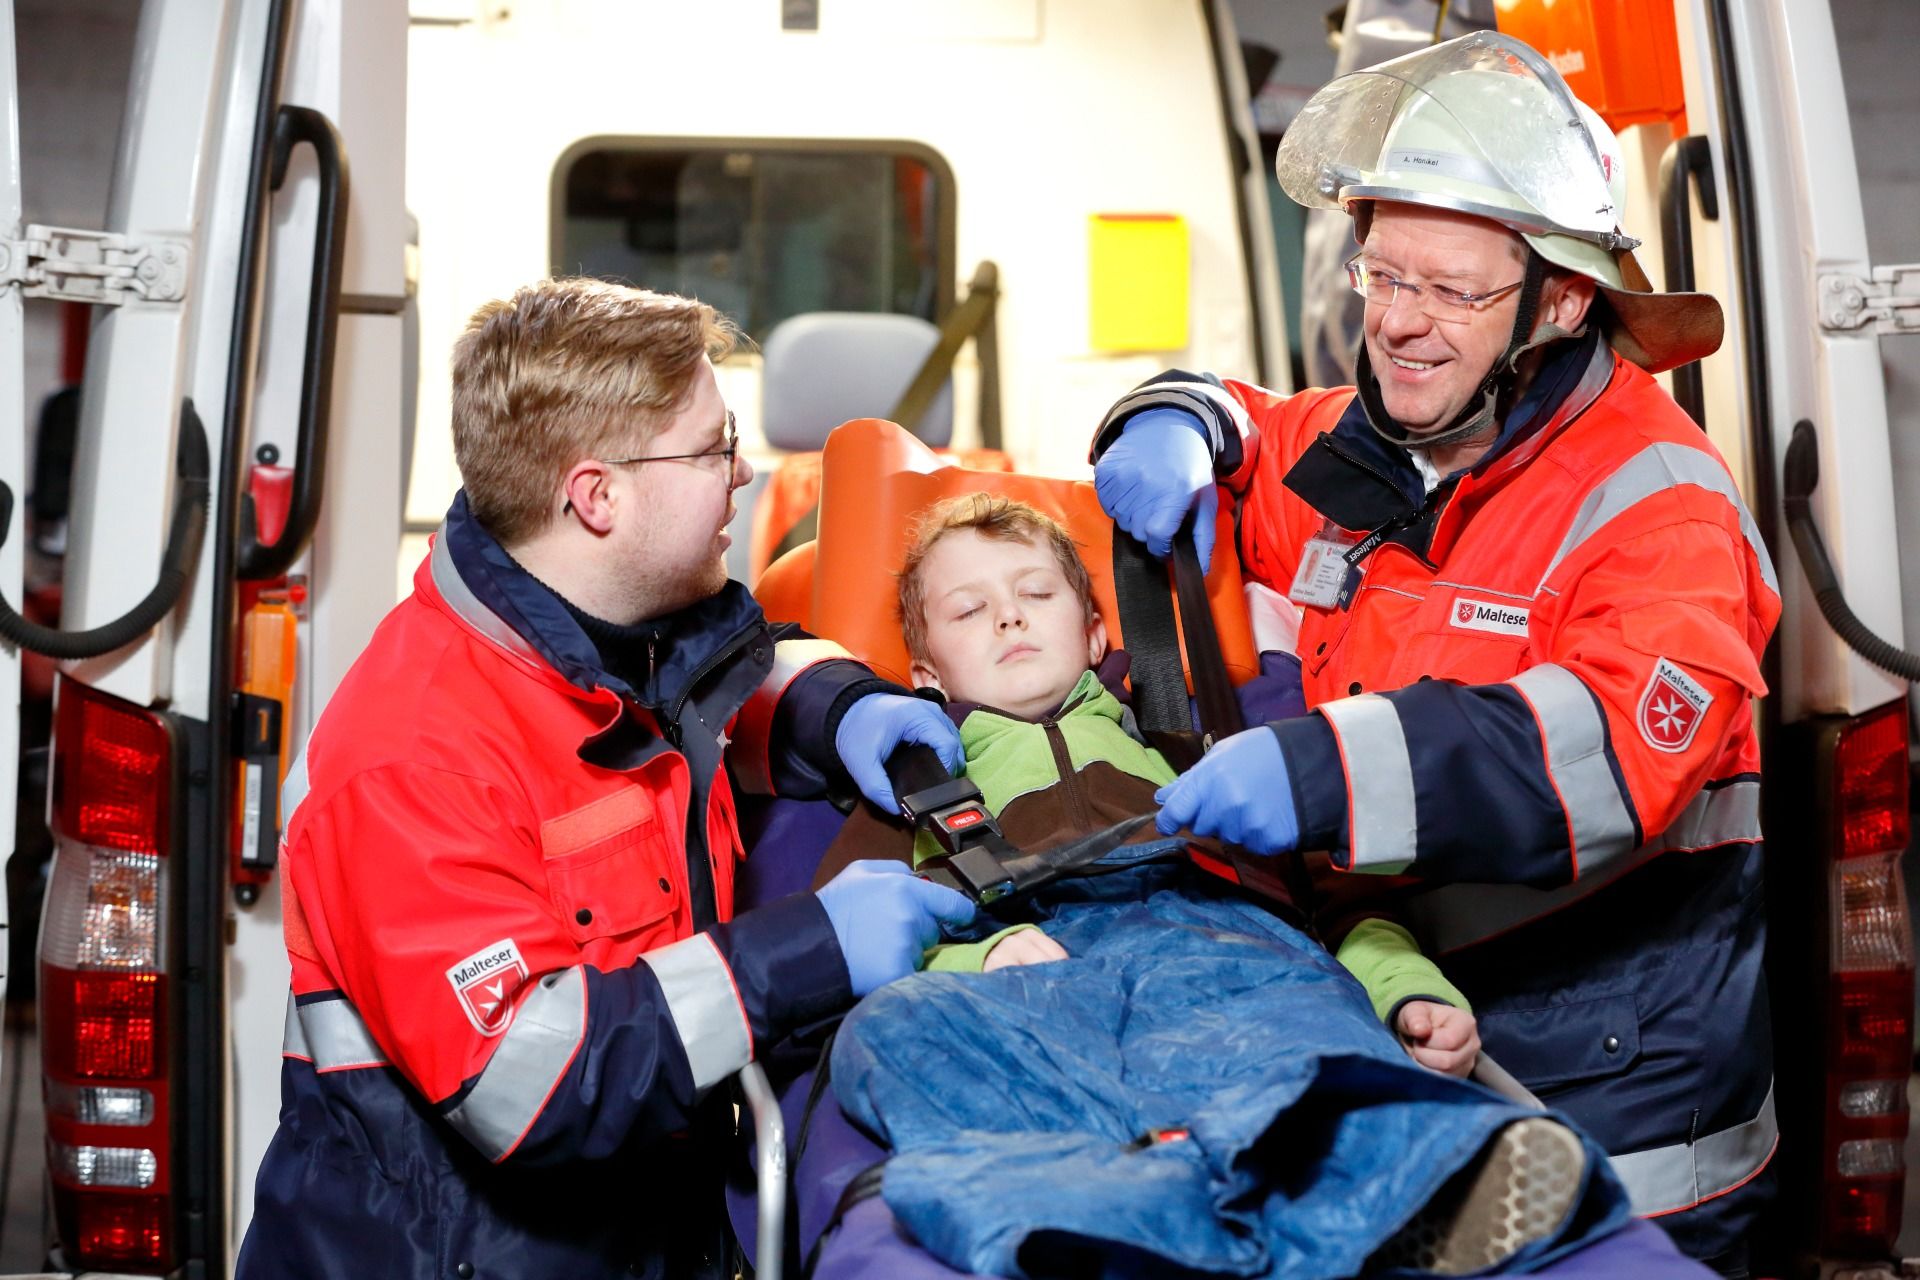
x,y
1688,163
292,126
1801,473
176,564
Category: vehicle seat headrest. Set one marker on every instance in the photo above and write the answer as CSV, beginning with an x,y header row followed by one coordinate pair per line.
x,y
823,368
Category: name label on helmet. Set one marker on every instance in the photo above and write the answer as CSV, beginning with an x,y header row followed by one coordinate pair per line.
x,y
1449,164
1488,615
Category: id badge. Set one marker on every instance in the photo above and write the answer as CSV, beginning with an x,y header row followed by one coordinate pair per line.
x,y
1323,568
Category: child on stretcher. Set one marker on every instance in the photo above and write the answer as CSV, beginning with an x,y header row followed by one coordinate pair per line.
x,y
999,617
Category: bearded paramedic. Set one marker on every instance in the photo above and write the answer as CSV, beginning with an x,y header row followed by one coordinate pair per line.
x,y
510,843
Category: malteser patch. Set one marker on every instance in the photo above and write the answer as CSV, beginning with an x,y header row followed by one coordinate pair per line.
x,y
485,982
1489,615
1672,708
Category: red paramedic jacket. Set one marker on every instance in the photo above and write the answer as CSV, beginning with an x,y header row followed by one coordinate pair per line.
x,y
1531,721
508,900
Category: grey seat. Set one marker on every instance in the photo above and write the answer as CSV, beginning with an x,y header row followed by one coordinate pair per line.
x,y
822,368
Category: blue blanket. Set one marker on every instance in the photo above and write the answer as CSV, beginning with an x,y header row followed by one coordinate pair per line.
x,y
1199,1089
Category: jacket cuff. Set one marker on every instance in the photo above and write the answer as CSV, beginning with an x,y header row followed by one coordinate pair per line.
x,y
1391,1019
1220,419
968,957
787,965
1319,783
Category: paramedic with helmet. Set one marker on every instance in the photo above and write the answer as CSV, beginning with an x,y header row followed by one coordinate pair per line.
x,y
510,840
1528,608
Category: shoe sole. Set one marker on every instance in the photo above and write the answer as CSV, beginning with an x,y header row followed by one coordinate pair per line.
x,y
1522,1189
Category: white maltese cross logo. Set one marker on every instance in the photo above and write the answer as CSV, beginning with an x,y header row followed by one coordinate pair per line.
x,y
1672,708
485,983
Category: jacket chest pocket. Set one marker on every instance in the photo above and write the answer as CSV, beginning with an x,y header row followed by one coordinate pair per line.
x,y
1352,651
612,866
1468,636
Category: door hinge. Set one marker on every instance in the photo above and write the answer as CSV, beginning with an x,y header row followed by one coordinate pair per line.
x,y
1889,300
93,266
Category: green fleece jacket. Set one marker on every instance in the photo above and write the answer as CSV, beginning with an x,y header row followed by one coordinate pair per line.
x,y
1051,780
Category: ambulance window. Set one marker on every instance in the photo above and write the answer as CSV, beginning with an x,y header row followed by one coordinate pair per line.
x,y
762,230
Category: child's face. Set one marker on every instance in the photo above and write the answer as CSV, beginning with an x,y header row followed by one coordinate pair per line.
x,y
1004,628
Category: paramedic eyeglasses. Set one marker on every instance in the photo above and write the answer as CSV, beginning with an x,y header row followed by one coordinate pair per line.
x,y
1436,300
730,452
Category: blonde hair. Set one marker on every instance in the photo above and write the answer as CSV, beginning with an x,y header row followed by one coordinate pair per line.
x,y
563,370
993,516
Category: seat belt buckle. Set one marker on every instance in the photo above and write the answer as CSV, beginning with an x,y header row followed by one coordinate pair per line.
x,y
977,873
952,811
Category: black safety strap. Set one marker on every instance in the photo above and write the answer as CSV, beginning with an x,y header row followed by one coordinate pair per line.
x,y
865,1186
1146,623
1219,709
1152,637
1153,640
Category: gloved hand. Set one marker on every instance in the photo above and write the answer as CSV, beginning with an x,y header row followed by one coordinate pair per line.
x,y
879,722
1238,793
1159,469
885,918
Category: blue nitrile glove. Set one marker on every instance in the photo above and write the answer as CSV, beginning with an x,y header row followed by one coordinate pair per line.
x,y
1239,793
885,918
879,722
1159,469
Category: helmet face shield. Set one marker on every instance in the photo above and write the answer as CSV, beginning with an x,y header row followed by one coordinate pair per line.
x,y
1481,124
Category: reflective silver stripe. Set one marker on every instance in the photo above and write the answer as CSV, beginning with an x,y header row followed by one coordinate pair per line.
x,y
1668,1179
791,657
1455,916
1723,815
526,1066
293,789
752,728
1385,832
453,589
1483,591
329,1034
1655,469
705,1007
1575,733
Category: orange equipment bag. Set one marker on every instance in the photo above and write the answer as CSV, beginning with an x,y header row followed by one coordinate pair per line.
x,y
1620,57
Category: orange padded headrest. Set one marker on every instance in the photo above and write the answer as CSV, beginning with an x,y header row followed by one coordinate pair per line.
x,y
878,479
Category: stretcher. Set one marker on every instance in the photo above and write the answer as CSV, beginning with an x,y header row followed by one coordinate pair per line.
x,y
876,478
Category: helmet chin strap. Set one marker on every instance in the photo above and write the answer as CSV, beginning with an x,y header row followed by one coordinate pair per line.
x,y
1483,411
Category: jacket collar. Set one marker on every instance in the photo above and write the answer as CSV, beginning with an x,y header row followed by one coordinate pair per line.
x,y
1396,487
1111,675
489,591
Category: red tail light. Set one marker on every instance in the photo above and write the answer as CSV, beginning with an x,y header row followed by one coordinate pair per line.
x,y
103,989
1869,1041
126,1230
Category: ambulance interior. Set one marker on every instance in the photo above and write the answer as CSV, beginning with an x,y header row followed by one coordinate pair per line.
x,y
990,268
